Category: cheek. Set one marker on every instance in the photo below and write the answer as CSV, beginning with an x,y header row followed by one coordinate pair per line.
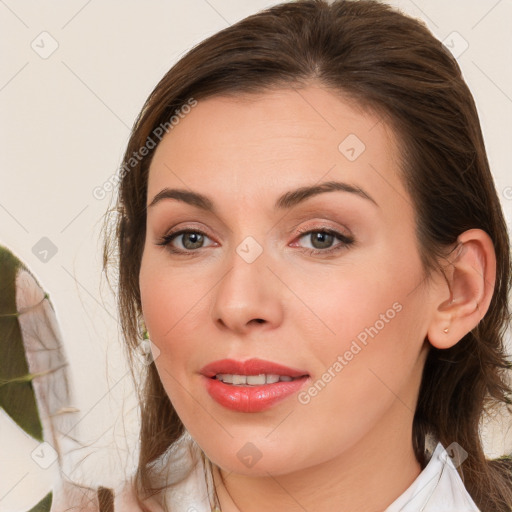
x,y
169,296
370,338
174,309
368,331
359,300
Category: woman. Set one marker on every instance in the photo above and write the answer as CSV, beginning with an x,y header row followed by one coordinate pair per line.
x,y
308,232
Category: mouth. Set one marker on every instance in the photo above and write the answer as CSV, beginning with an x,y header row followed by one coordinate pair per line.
x,y
251,386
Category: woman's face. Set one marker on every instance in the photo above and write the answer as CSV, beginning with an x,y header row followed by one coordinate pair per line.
x,y
299,252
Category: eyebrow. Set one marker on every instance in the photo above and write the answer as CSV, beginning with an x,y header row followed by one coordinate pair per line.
x,y
286,201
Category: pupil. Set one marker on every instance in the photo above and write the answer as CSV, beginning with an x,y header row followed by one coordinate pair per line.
x,y
324,239
195,240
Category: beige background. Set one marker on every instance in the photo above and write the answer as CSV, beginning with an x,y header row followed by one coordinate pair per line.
x,y
65,120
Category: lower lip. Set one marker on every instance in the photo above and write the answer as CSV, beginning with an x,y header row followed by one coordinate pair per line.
x,y
251,398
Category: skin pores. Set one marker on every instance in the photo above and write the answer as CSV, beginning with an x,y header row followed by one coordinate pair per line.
x,y
290,306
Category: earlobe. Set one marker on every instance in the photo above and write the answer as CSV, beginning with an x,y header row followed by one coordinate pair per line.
x,y
468,290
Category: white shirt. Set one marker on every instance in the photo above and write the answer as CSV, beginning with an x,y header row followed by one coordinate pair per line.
x,y
438,488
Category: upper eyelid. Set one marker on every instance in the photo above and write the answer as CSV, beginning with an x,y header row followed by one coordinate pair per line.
x,y
300,232
301,219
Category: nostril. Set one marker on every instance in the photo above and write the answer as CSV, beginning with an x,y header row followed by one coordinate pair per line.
x,y
259,320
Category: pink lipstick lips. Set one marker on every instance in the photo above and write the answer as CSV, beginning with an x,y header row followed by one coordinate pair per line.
x,y
251,386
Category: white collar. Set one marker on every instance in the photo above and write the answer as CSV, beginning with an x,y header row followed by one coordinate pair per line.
x,y
438,488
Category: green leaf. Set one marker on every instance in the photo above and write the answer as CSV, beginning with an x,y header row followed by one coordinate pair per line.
x,y
17,396
44,505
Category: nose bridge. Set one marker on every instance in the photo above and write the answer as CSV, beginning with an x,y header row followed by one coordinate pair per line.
x,y
248,293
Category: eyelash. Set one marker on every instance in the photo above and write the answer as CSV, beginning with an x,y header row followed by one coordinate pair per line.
x,y
346,241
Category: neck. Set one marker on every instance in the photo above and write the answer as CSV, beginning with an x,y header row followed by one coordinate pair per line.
x,y
367,477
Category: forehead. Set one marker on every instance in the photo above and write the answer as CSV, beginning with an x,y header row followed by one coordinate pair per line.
x,y
255,147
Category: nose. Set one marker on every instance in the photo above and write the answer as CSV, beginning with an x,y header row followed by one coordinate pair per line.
x,y
248,297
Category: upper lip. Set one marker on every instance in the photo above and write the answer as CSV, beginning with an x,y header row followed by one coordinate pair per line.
x,y
249,367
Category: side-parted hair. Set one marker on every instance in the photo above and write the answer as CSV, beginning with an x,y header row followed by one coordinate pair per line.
x,y
390,65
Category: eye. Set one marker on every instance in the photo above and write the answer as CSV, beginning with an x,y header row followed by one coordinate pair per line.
x,y
187,240
321,241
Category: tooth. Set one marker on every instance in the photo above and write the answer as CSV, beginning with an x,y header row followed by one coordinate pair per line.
x,y
256,380
239,379
252,380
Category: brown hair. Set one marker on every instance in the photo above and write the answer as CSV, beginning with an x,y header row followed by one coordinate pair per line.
x,y
391,64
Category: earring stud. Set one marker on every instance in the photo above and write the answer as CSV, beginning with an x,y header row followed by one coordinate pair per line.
x,y
446,330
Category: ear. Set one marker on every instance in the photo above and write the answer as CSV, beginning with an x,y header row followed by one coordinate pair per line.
x,y
465,297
